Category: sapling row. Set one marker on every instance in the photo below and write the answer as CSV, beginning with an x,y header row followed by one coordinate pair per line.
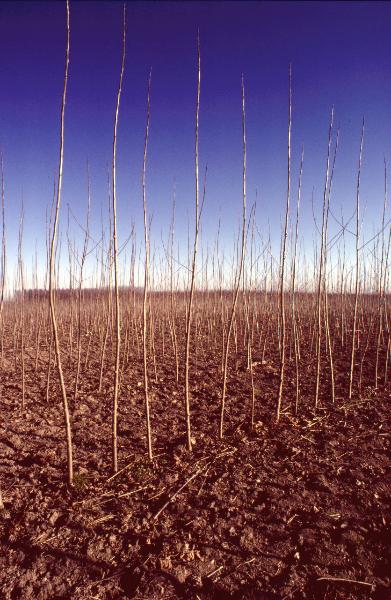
x,y
139,319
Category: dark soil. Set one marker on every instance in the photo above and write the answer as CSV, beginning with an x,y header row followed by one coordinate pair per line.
x,y
272,513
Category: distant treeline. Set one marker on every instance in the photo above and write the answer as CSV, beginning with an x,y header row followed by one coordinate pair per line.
x,y
94,293
65,294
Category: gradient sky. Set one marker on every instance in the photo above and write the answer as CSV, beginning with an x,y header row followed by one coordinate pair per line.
x,y
340,54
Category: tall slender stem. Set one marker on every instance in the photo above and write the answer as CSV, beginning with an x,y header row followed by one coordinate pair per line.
x,y
115,251
357,280
195,247
146,273
52,300
321,264
240,270
283,255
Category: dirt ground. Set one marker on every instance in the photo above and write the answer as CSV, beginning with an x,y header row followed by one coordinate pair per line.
x,y
299,509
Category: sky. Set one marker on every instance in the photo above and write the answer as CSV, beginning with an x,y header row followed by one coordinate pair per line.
x,y
340,54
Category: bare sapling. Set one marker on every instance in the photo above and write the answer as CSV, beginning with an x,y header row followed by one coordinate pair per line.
x,y
366,344
52,282
294,307
381,291
80,287
343,284
239,270
250,306
37,341
49,329
320,287
282,316
325,286
109,297
194,260
71,260
21,299
357,275
146,274
172,314
115,258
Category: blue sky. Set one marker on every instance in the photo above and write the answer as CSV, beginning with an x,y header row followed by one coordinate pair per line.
x,y
340,54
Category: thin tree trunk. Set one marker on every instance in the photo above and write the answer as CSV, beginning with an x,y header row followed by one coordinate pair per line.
x,y
240,270
325,283
115,250
283,257
80,290
381,286
352,357
294,310
146,275
52,301
21,285
193,269
321,266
